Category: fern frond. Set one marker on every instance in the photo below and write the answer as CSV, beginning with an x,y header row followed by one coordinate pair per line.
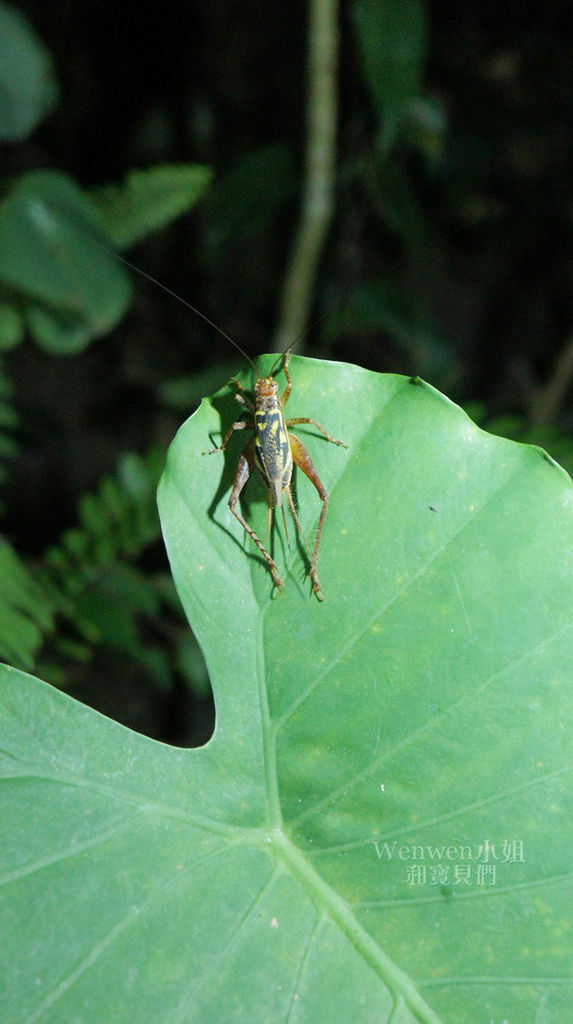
x,y
26,613
8,423
100,592
115,524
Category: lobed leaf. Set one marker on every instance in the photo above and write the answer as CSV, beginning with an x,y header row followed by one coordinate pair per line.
x,y
379,829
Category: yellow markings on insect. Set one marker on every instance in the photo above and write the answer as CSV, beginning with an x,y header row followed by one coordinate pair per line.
x,y
274,451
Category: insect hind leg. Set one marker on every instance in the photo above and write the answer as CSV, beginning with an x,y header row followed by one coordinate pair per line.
x,y
244,469
302,459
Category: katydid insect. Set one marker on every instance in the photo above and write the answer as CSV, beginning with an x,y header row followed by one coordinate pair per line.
x,y
274,451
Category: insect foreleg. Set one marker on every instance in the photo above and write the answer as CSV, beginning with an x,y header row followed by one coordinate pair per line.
x,y
244,469
241,396
288,388
239,425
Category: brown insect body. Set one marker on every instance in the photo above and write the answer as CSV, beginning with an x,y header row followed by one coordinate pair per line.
x,y
274,451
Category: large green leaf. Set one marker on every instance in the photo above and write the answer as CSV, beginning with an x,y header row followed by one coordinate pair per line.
x,y
381,823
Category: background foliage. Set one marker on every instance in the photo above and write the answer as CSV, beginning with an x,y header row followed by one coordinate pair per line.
x,y
432,708
449,256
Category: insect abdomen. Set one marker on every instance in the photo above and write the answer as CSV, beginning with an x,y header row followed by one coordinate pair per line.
x,y
273,456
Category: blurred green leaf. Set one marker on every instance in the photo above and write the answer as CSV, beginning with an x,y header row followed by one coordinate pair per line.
x,y
379,306
28,89
257,186
109,608
184,393
425,127
53,261
396,202
191,665
11,327
53,334
392,39
149,200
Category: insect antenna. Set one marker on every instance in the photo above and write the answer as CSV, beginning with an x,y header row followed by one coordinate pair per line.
x,y
189,305
290,347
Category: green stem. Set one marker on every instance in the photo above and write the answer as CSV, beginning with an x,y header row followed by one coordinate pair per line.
x,y
318,198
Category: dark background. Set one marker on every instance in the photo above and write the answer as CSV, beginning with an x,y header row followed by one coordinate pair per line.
x,y
451,258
